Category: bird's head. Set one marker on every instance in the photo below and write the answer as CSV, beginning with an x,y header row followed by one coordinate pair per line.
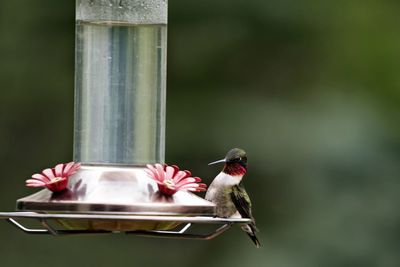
x,y
235,162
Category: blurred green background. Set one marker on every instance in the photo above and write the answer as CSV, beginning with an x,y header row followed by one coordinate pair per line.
x,y
311,89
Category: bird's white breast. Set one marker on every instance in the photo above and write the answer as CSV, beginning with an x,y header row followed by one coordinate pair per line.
x,y
219,193
224,179
222,182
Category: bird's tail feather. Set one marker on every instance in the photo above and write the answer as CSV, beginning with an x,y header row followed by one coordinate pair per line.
x,y
251,232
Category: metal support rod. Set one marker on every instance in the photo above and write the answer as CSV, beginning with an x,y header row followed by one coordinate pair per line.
x,y
178,235
26,230
48,227
224,224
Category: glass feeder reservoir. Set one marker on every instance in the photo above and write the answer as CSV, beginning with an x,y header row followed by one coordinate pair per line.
x,y
120,81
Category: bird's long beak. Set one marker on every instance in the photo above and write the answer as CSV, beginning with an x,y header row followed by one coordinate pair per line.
x,y
216,162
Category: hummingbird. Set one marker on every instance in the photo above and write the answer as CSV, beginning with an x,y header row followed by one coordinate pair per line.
x,y
228,193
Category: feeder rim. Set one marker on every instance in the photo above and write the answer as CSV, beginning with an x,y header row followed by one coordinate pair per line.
x,y
123,217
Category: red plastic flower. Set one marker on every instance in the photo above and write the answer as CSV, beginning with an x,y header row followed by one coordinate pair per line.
x,y
170,179
55,179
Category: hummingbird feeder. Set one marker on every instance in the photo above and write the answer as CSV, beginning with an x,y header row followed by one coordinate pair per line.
x,y
119,125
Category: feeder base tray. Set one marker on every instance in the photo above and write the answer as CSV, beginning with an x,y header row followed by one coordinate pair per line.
x,y
114,190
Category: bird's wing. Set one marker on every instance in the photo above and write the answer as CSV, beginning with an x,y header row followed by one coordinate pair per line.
x,y
242,201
